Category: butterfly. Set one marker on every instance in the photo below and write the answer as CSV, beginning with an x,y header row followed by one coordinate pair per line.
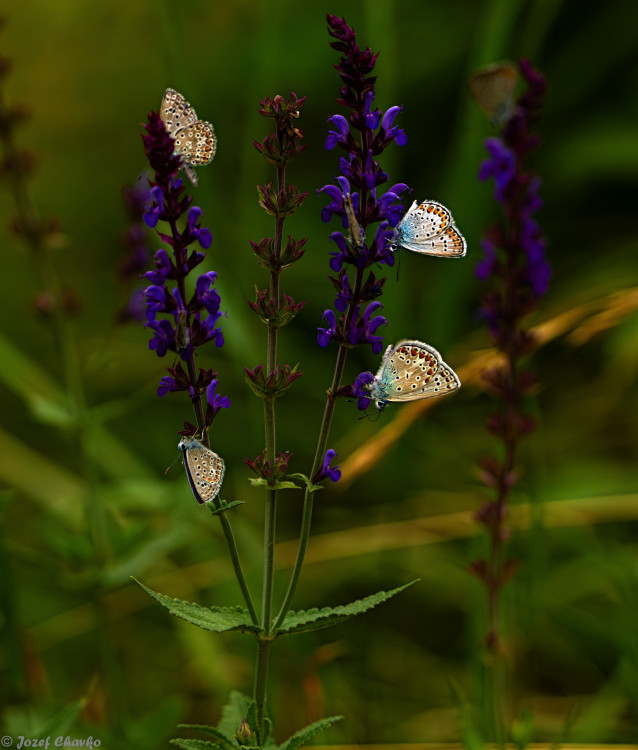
x,y
428,228
412,370
204,469
195,140
492,87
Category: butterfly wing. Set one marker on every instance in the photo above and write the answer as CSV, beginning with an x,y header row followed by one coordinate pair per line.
x,y
204,469
428,228
176,112
493,89
414,370
196,143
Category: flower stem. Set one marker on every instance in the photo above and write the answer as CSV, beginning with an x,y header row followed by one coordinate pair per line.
x,y
270,520
322,443
198,408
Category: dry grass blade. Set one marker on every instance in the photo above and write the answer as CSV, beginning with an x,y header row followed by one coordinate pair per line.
x,y
581,323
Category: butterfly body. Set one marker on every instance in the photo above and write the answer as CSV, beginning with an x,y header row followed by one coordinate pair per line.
x,y
412,370
429,228
204,469
195,140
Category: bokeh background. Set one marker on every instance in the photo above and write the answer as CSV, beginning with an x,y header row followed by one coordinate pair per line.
x,y
85,650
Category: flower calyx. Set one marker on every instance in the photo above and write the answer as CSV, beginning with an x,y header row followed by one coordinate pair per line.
x,y
273,314
280,203
273,384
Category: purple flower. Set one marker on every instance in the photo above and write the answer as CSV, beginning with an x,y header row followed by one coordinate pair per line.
x,y
340,135
326,471
163,337
155,208
167,385
215,401
484,268
325,334
162,268
345,294
501,166
391,132
155,302
203,236
360,390
364,330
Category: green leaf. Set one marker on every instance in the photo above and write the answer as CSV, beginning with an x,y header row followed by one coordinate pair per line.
x,y
303,735
217,619
196,744
224,506
315,619
261,482
64,719
233,713
222,739
253,721
302,477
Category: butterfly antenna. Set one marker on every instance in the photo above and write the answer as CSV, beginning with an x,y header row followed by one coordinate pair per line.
x,y
171,466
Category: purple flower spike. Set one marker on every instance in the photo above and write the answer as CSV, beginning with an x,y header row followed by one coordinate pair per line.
x,y
515,267
367,216
179,326
326,471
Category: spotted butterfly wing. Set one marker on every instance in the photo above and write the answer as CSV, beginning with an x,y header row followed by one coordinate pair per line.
x,y
429,228
410,371
195,140
204,469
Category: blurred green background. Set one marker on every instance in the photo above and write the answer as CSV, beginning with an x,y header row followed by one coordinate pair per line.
x,y
85,649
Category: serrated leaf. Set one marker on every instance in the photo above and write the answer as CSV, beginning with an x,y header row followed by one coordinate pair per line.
x,y
195,744
223,740
315,619
216,619
233,713
253,721
303,735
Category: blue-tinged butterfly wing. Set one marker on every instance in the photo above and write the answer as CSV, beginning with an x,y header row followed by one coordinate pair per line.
x,y
204,469
410,371
428,228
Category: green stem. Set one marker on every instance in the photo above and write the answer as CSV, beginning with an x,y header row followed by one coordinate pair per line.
x,y
270,520
198,408
239,573
261,679
308,501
